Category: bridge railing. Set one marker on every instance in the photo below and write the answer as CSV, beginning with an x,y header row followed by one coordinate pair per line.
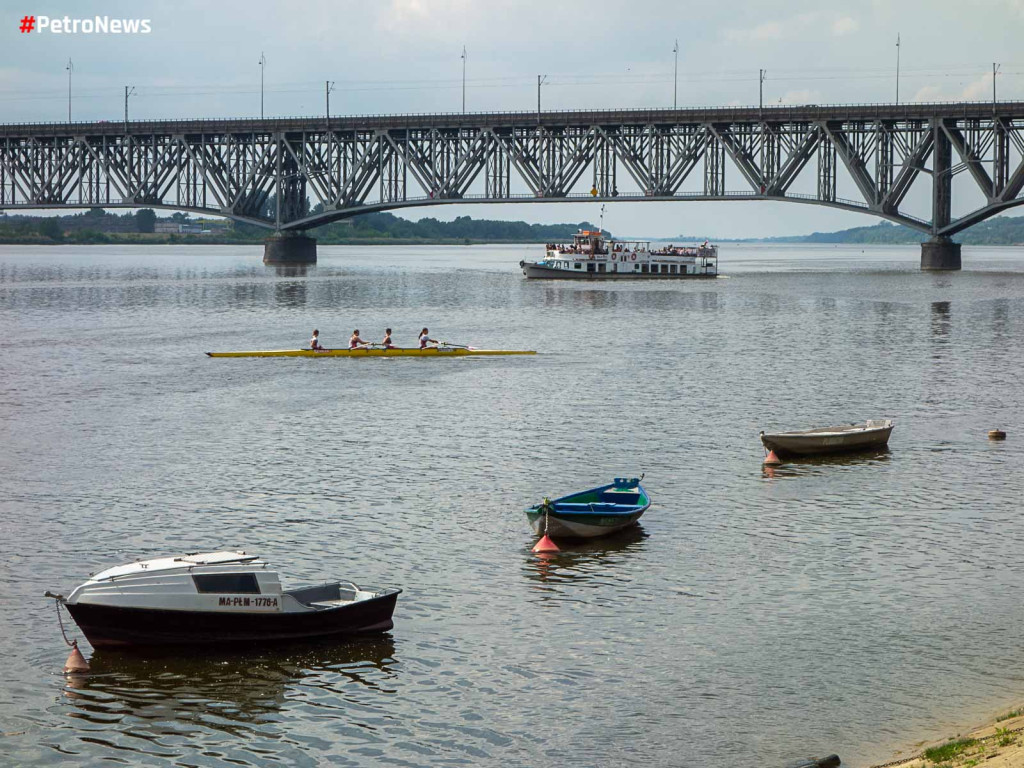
x,y
880,110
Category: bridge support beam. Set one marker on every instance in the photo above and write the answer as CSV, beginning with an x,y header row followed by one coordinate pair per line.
x,y
289,248
940,253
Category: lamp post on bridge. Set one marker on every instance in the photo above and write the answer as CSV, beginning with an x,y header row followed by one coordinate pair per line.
x,y
675,77
263,66
328,87
463,79
70,68
897,68
760,91
128,91
541,79
995,71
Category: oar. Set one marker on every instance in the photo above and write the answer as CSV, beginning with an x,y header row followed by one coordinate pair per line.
x,y
457,346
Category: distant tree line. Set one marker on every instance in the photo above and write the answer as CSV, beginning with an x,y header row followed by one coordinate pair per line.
x,y
1000,230
98,226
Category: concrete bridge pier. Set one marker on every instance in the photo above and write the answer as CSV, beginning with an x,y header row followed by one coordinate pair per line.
x,y
940,253
290,248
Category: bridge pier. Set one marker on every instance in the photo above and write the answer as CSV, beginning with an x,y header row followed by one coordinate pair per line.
x,y
289,248
940,253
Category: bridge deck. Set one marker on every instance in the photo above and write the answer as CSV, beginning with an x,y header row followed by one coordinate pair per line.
x,y
702,115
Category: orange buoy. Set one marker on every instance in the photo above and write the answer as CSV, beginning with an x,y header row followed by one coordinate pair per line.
x,y
545,545
76,661
771,459
996,434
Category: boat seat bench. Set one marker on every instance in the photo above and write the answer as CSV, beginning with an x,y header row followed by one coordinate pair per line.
x,y
595,507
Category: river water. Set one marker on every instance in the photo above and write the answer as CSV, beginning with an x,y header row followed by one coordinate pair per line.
x,y
854,606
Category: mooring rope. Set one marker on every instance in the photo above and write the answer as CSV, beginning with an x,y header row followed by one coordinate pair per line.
x,y
60,622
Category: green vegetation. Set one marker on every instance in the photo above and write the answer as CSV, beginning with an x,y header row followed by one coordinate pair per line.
x,y
145,220
1000,230
949,750
143,226
1010,714
1004,737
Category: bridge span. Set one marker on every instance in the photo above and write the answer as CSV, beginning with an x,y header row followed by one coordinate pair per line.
x,y
293,174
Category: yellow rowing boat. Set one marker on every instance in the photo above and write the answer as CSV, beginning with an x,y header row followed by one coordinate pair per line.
x,y
376,352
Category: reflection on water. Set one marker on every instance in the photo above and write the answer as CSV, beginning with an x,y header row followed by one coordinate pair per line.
x,y
159,696
801,466
941,319
291,270
578,562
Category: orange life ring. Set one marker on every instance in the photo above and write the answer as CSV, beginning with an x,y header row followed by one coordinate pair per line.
x,y
633,257
614,257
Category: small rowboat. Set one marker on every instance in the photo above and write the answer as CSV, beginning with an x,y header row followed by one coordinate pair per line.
x,y
592,513
449,351
871,434
219,598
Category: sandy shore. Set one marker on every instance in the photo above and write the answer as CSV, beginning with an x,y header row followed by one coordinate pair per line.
x,y
998,744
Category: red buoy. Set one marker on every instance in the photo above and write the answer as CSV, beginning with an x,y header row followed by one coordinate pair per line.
x,y
545,545
771,459
76,661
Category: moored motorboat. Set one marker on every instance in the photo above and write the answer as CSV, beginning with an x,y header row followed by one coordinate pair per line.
x,y
218,598
864,436
377,351
595,512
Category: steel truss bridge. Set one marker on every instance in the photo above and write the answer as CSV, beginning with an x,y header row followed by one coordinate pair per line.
x,y
315,170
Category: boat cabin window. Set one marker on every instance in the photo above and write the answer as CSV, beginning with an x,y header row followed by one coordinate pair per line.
x,y
579,266
590,267
643,269
600,267
232,583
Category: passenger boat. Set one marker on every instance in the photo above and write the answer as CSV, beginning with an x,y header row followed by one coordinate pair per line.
x,y
592,513
872,434
218,598
591,256
377,351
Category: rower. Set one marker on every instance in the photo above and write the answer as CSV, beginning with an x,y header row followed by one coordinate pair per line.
x,y
355,342
387,339
425,339
314,343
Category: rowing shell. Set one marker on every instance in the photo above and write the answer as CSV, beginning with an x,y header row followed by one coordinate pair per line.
x,y
377,352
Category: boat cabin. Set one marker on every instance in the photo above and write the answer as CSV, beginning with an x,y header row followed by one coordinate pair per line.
x,y
214,581
591,254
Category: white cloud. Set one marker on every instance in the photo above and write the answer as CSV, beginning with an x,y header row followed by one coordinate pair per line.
x,y
930,93
794,26
770,30
844,26
979,90
804,96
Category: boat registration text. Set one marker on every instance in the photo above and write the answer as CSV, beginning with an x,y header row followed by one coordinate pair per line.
x,y
249,602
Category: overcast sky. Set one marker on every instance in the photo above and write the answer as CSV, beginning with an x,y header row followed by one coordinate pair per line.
x,y
396,56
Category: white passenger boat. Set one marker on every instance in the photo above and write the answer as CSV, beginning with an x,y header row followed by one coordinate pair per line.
x,y
591,256
868,435
217,598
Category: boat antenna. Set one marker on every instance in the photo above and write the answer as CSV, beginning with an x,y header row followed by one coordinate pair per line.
x,y
601,231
